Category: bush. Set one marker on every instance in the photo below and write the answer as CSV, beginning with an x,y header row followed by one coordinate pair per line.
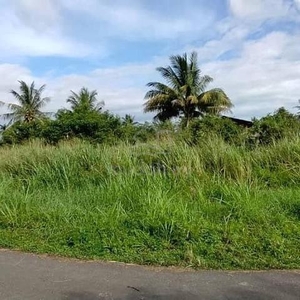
x,y
90,125
201,129
271,128
54,132
21,132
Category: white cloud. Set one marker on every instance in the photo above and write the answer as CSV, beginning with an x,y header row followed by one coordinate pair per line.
x,y
40,15
259,9
297,2
231,40
28,28
22,41
265,77
11,73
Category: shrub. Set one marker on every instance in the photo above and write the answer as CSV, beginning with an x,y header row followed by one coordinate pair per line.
x,y
271,128
20,132
208,126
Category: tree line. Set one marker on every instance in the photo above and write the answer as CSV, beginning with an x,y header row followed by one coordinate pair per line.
x,y
182,104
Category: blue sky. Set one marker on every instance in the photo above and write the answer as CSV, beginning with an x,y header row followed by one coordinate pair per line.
x,y
251,48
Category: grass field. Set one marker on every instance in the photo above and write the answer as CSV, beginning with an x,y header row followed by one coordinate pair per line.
x,y
207,206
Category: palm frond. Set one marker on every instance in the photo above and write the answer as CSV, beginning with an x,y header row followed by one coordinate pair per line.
x,y
99,106
73,99
41,89
26,93
158,102
180,66
204,82
214,101
17,96
14,107
159,88
7,116
93,94
170,76
166,114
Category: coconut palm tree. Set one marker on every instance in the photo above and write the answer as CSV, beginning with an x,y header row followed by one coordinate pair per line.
x,y
128,120
29,105
85,101
184,94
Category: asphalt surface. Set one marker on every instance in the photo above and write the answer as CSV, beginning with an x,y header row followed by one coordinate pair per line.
x,y
27,276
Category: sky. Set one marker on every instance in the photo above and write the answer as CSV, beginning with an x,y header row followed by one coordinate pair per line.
x,y
250,47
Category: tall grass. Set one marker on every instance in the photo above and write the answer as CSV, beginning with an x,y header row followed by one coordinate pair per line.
x,y
208,206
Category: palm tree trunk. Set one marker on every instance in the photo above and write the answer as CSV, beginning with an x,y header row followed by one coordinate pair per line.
x,y
188,122
187,118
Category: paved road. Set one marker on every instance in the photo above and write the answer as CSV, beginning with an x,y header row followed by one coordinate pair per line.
x,y
31,277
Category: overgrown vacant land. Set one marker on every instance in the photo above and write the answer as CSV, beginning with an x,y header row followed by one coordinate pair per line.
x,y
193,188
211,205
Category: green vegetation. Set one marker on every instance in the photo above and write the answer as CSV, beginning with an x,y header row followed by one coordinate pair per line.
x,y
213,205
204,191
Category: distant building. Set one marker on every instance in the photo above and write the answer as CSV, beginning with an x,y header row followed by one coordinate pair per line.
x,y
240,122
